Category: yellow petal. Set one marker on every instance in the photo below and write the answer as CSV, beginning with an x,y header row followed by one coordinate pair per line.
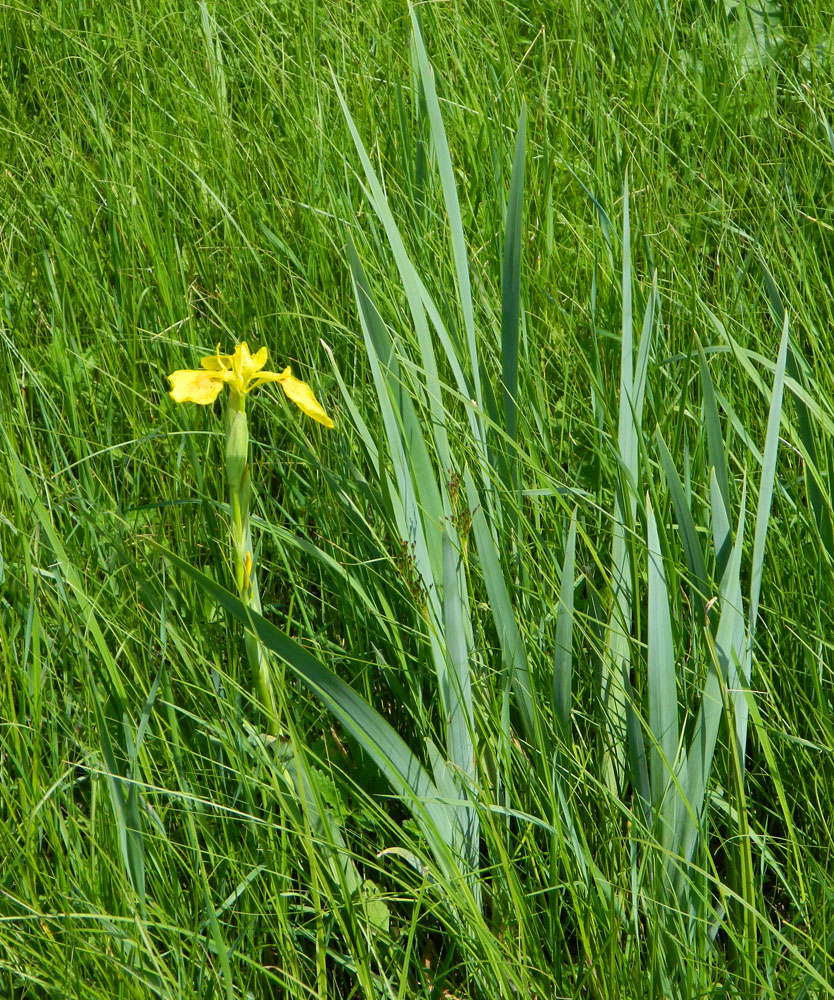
x,y
240,368
259,359
302,395
217,362
262,377
245,365
194,387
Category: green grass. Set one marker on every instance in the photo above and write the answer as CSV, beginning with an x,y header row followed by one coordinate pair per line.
x,y
570,547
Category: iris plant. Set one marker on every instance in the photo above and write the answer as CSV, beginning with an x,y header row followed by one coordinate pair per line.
x,y
242,372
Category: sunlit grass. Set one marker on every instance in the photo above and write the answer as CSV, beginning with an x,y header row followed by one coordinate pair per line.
x,y
176,177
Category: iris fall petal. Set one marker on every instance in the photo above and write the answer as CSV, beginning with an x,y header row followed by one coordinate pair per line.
x,y
242,372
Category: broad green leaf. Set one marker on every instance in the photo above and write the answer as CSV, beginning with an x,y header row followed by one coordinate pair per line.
x,y
456,687
513,653
688,532
720,520
620,709
563,653
715,447
641,369
768,477
450,198
415,293
616,659
384,746
511,285
415,476
662,684
625,427
727,649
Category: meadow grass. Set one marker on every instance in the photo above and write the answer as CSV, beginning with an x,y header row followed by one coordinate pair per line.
x,y
549,612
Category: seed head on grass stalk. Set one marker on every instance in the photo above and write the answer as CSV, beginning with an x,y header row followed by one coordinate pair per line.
x,y
242,372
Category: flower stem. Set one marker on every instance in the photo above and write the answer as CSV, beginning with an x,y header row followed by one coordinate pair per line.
x,y
238,479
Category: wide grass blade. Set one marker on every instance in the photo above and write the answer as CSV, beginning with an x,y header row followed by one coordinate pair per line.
x,y
686,526
375,736
452,203
617,652
662,685
715,439
563,653
727,649
513,652
741,671
417,493
456,690
625,426
763,507
616,695
415,295
511,287
433,541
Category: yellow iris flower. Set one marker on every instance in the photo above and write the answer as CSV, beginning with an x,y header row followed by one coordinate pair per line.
x,y
242,372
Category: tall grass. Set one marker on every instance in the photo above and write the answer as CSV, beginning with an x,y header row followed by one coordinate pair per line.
x,y
549,614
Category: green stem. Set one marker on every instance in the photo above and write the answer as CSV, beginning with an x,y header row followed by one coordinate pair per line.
x,y
237,475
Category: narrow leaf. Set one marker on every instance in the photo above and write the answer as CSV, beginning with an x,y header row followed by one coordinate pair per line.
x,y
450,198
727,649
663,695
511,283
563,654
716,451
374,735
768,477
686,527
513,654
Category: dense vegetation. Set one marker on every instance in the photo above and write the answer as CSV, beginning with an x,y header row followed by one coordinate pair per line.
x,y
548,614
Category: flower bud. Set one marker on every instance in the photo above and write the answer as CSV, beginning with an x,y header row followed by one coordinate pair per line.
x,y
237,447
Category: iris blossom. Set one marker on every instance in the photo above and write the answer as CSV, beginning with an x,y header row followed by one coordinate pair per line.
x,y
242,372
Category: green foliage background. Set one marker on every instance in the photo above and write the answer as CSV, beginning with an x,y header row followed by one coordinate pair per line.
x,y
181,174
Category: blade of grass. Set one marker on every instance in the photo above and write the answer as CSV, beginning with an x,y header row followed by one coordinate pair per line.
x,y
563,653
456,690
816,483
415,294
413,469
662,685
513,653
511,291
617,655
715,442
124,797
763,508
617,652
450,197
686,526
374,735
726,648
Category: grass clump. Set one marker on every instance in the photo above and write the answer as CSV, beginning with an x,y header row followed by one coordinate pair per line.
x,y
547,616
